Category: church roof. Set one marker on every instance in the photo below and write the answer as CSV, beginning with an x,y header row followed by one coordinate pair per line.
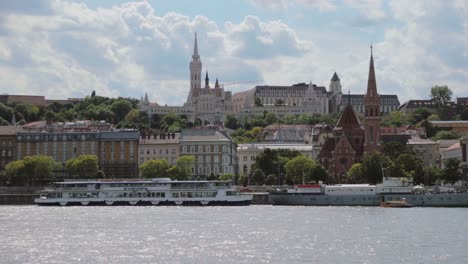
x,y
335,77
348,119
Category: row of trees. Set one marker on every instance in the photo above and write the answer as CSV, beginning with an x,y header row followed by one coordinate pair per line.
x,y
283,166
41,170
397,160
161,168
123,112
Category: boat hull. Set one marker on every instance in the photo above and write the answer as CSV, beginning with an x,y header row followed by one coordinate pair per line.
x,y
57,202
429,200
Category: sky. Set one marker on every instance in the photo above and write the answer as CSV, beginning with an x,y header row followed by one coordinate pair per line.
x,y
63,49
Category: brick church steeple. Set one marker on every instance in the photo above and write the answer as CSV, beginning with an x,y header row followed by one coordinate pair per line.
x,y
372,112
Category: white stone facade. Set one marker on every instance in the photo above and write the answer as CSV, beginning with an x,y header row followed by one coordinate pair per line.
x,y
159,146
214,151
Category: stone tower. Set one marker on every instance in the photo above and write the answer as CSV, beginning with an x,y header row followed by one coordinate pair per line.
x,y
335,94
372,112
195,73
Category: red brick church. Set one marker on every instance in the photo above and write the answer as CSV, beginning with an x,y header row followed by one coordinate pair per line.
x,y
352,139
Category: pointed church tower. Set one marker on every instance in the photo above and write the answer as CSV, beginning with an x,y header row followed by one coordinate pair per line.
x,y
335,85
372,112
336,94
195,73
146,100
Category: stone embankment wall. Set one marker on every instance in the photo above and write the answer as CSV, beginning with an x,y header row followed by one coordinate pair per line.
x,y
18,195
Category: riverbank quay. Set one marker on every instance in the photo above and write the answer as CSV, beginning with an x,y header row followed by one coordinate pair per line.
x,y
18,195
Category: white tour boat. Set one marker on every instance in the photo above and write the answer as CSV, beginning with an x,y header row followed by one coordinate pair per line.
x,y
159,191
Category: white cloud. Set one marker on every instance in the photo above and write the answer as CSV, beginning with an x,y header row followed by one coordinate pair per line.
x,y
127,49
69,50
322,5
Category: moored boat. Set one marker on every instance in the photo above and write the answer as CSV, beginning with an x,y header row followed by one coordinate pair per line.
x,y
396,203
391,189
160,191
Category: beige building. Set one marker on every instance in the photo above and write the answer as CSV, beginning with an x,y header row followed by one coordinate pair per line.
x,y
7,145
159,146
426,150
61,146
247,153
118,151
214,151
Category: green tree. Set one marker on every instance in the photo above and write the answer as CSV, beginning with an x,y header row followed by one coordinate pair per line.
x,y
420,114
135,119
100,174
231,122
258,177
270,118
28,111
410,164
441,96
258,101
6,112
184,165
464,114
279,102
451,173
289,119
154,168
120,108
372,167
355,173
83,166
39,169
271,179
226,177
431,174
298,169
398,119
15,173
212,177
446,135
394,149
3,122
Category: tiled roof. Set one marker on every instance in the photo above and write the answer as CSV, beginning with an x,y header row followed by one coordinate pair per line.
x,y
9,130
119,134
203,135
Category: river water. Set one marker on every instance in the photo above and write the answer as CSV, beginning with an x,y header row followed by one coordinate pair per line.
x,y
250,234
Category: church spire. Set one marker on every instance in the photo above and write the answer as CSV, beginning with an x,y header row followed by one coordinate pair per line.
x,y
195,48
371,83
207,80
372,112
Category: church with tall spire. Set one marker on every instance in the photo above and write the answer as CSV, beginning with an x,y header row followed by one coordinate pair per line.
x,y
205,104
372,112
209,104
352,138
